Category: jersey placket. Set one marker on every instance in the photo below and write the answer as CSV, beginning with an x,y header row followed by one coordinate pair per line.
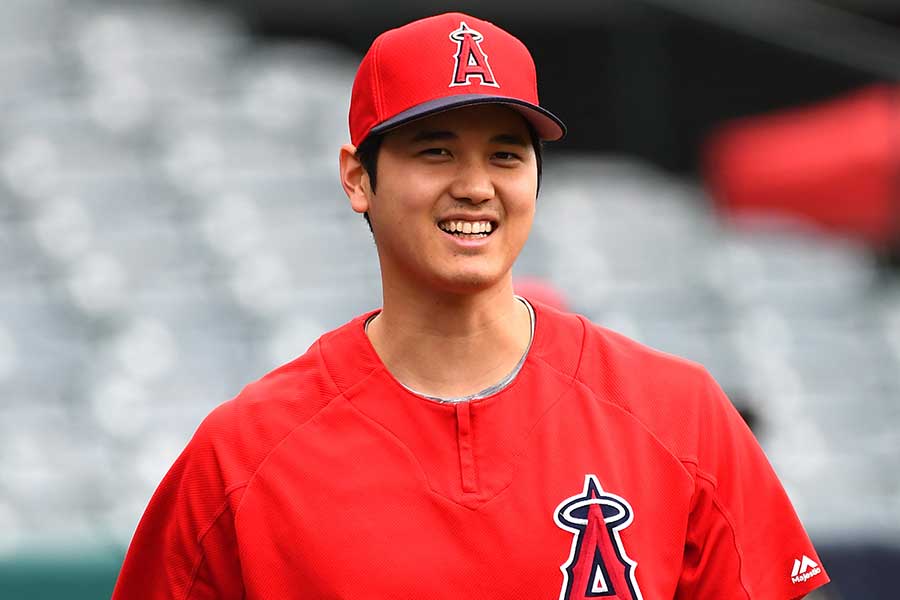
x,y
465,443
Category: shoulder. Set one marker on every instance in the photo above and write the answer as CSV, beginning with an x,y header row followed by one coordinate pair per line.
x,y
674,398
239,433
604,359
612,359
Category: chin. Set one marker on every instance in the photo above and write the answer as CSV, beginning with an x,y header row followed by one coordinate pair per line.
x,y
470,282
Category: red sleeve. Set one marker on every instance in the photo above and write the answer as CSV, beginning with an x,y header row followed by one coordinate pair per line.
x,y
744,538
184,547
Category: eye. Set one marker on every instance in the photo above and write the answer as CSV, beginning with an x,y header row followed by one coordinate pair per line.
x,y
506,156
435,152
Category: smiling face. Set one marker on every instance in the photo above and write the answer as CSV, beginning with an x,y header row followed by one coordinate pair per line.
x,y
455,199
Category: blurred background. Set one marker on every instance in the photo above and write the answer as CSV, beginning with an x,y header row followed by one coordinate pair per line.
x,y
169,208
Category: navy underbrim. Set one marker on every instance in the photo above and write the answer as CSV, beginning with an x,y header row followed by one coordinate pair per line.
x,y
549,127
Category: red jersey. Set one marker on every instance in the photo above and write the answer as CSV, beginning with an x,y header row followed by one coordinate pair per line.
x,y
604,469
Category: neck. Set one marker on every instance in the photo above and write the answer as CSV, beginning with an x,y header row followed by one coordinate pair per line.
x,y
451,345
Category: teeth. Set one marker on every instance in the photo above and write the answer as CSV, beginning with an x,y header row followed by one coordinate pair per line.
x,y
467,227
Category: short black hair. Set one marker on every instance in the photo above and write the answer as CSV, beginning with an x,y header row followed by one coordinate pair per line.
x,y
367,154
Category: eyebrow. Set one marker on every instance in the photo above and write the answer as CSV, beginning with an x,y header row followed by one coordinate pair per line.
x,y
427,135
509,138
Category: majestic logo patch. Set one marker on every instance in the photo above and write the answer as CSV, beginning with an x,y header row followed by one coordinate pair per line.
x,y
598,566
805,569
471,61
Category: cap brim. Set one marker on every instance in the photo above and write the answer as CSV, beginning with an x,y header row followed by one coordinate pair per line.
x,y
548,126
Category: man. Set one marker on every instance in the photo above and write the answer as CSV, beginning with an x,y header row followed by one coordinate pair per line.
x,y
463,442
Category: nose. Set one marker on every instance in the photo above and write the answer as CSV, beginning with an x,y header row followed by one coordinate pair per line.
x,y
472,182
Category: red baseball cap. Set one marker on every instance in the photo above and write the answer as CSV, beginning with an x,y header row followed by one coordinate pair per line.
x,y
441,63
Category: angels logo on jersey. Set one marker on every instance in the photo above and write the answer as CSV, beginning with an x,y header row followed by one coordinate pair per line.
x,y
471,61
598,566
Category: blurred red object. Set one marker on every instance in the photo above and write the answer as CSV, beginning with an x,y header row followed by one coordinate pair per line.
x,y
836,164
534,288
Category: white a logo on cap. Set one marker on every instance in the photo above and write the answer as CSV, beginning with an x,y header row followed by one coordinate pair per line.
x,y
471,61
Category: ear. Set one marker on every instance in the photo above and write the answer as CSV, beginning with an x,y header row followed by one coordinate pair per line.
x,y
354,179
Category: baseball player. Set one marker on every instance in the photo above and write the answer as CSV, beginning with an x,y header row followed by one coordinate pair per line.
x,y
462,441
